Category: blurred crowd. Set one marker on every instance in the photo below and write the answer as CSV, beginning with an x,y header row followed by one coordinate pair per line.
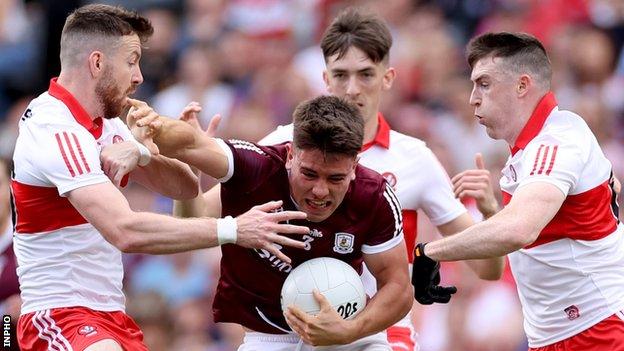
x,y
253,61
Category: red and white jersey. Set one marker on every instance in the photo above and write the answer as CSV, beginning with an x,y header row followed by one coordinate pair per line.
x,y
62,259
410,167
572,276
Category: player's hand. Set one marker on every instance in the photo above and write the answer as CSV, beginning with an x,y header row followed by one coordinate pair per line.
x,y
326,328
118,160
477,183
426,279
258,228
144,123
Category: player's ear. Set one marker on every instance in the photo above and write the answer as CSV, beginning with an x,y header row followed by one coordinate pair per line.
x,y
289,156
524,82
326,80
357,159
388,78
96,63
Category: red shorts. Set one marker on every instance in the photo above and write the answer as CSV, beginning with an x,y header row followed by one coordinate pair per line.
x,y
75,328
607,335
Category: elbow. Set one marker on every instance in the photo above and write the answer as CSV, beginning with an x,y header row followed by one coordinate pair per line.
x,y
494,270
124,238
187,192
407,300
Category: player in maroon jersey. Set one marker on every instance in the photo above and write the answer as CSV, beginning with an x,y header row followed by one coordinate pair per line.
x,y
353,215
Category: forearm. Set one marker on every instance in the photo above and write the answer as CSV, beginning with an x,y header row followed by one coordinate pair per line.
x,y
151,233
179,140
391,303
495,237
168,177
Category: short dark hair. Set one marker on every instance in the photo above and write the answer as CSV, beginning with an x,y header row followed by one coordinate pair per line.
x,y
366,32
524,52
90,22
329,124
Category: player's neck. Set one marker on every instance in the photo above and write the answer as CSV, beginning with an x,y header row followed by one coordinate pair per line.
x,y
83,93
370,128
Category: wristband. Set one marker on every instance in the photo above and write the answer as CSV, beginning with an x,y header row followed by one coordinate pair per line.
x,y
145,154
226,230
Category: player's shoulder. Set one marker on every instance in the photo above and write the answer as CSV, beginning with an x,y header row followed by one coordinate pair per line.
x,y
276,152
368,186
46,111
402,141
564,126
281,134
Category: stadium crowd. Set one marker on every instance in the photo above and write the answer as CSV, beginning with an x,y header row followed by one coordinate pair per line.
x,y
254,61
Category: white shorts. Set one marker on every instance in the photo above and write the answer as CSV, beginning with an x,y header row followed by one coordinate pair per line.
x,y
291,342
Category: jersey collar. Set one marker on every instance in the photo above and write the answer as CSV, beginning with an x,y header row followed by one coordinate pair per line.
x,y
535,122
382,138
94,126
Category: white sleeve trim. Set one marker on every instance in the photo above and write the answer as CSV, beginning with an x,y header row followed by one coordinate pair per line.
x,y
369,249
82,183
230,156
546,179
448,217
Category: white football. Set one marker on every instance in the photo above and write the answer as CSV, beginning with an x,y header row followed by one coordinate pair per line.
x,y
335,279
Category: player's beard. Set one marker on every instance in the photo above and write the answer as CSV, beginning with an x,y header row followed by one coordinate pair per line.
x,y
110,96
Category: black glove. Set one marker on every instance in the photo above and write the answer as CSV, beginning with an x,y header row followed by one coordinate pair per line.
x,y
426,277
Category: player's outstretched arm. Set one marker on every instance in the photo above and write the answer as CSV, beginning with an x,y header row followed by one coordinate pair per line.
x,y
517,225
392,301
108,211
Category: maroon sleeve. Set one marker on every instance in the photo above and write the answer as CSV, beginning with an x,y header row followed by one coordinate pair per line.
x,y
387,222
253,164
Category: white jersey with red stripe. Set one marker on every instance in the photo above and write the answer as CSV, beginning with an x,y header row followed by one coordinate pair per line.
x,y
413,171
572,276
62,259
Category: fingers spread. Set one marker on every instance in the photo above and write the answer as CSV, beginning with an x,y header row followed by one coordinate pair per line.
x,y
269,206
291,229
283,216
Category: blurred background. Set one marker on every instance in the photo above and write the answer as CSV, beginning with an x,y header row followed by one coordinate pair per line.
x,y
253,61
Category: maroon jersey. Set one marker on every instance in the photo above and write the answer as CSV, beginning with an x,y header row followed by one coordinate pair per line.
x,y
368,221
8,265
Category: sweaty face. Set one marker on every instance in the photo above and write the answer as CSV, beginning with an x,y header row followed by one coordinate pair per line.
x,y
356,78
318,184
120,76
494,97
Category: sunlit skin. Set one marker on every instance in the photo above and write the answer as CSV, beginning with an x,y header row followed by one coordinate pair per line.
x,y
356,78
318,184
495,97
121,76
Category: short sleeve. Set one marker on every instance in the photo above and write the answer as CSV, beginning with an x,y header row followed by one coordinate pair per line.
x,y
438,200
553,161
387,229
280,135
249,165
67,156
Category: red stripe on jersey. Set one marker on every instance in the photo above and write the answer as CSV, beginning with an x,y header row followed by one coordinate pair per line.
x,y
536,159
60,144
506,198
585,216
84,161
71,151
544,160
42,209
552,159
410,221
